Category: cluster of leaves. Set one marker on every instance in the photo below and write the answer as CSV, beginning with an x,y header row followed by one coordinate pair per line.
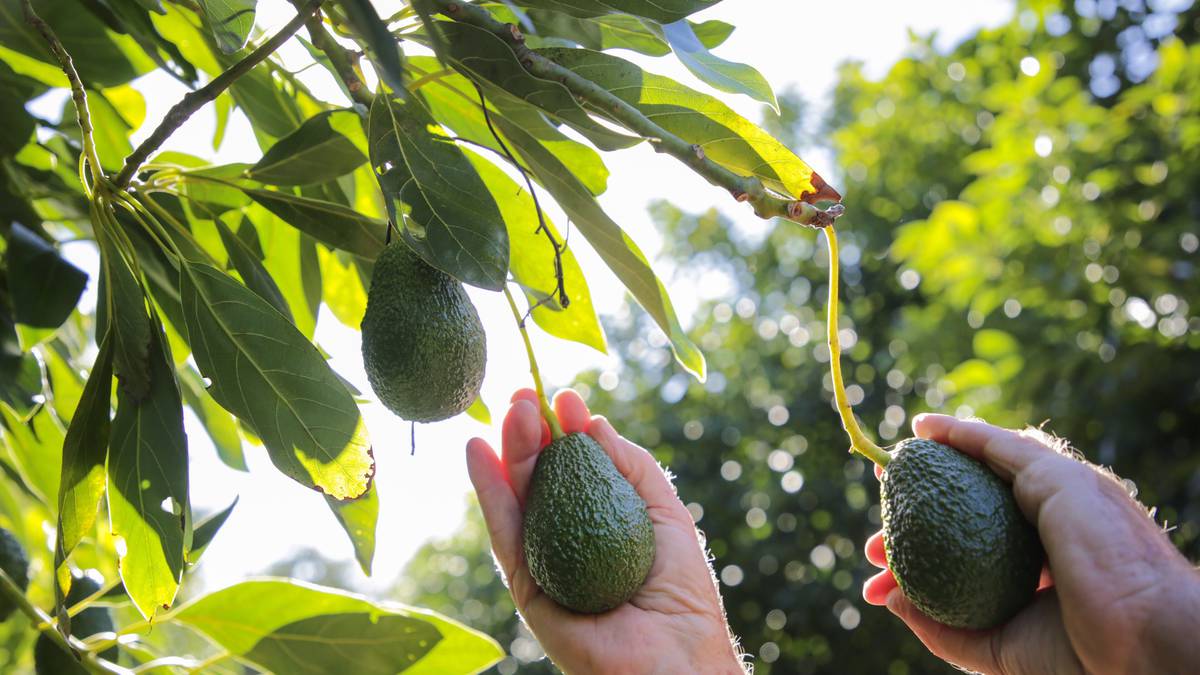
x,y
1023,280
211,277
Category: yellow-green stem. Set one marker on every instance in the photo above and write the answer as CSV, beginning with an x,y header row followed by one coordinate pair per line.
x,y
43,623
858,440
556,431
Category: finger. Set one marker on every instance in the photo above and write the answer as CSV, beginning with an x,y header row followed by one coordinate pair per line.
x,y
874,550
971,650
878,587
500,509
1005,450
878,471
571,411
531,396
521,437
639,468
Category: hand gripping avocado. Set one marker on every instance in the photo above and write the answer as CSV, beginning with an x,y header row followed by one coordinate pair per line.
x,y
957,543
588,539
15,564
48,657
422,342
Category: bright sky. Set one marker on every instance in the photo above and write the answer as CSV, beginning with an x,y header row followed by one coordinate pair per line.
x,y
793,43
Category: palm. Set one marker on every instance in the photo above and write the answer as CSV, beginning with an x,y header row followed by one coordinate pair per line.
x,y
678,600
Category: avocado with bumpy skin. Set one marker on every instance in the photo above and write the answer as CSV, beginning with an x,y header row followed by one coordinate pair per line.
x,y
588,539
423,345
15,564
51,659
956,541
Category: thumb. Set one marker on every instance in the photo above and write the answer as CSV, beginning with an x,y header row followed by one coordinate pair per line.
x,y
970,650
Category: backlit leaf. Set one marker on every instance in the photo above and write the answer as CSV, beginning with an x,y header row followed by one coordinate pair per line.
x,y
148,503
384,47
221,428
617,250
267,374
84,452
664,11
290,627
231,22
121,308
726,137
250,268
206,530
359,518
727,76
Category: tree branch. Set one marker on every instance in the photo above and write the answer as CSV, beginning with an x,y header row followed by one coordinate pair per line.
x,y
743,188
341,58
44,624
78,93
193,101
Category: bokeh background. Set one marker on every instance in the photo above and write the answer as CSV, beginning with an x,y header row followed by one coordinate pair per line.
x,y
1021,243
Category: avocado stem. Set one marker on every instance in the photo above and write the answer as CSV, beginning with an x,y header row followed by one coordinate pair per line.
x,y
556,431
858,440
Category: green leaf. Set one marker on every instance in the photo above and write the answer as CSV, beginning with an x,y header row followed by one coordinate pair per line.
x,y
44,287
664,11
479,411
342,288
273,112
533,263
101,57
712,33
20,374
17,123
84,452
727,76
110,128
726,137
289,627
121,308
359,518
217,421
231,22
283,247
450,219
148,505
35,448
267,374
332,224
454,103
250,267
383,46
486,60
65,382
617,250
206,530
319,151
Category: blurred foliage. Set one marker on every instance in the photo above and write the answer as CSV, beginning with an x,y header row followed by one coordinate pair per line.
x,y
1017,246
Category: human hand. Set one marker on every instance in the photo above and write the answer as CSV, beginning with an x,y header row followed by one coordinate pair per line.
x,y
675,622
1117,597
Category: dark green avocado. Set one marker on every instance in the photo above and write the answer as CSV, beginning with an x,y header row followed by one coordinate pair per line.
x,y
48,657
588,539
15,564
957,543
423,345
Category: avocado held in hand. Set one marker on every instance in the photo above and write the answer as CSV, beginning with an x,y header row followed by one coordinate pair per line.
x,y
588,539
956,541
423,345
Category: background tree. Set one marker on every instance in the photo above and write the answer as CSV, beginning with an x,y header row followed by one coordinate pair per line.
x,y
1017,246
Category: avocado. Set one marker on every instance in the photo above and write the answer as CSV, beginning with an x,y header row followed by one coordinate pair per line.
x,y
956,541
48,657
588,539
423,345
15,564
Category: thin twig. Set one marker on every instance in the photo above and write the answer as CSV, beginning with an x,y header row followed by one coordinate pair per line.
x,y
556,431
743,188
560,284
78,93
44,624
194,100
342,59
